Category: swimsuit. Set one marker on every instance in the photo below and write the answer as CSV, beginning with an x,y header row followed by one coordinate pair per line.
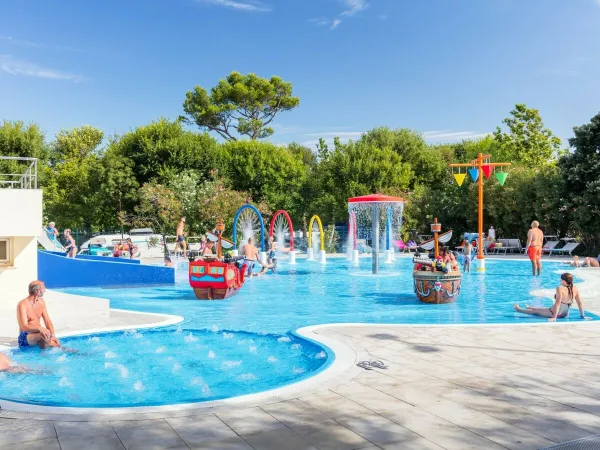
x,y
180,238
563,309
22,339
534,252
249,266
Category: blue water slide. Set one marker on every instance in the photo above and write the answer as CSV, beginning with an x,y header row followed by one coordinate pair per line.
x,y
58,271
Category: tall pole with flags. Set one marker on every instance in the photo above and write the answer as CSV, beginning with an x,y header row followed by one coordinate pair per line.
x,y
479,168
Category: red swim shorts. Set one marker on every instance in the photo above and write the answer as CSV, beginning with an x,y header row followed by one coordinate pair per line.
x,y
534,253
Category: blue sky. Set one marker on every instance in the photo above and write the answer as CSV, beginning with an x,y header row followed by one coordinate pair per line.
x,y
448,68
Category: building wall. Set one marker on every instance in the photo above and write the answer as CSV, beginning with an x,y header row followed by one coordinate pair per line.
x,y
20,221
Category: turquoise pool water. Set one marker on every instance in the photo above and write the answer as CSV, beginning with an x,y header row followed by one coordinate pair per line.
x,y
165,367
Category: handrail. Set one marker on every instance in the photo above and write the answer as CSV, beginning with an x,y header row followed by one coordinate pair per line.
x,y
27,179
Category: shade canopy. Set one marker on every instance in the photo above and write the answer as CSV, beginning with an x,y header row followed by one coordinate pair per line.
x,y
376,198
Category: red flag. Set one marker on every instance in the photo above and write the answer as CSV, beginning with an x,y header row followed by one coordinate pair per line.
x,y
487,170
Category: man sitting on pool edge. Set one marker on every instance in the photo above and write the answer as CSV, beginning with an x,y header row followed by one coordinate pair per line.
x,y
29,312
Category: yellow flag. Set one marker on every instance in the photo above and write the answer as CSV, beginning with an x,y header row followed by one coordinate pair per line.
x,y
460,178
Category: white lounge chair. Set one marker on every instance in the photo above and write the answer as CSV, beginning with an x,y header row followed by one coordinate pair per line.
x,y
567,249
548,246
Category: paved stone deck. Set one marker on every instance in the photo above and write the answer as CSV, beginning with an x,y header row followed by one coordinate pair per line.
x,y
515,387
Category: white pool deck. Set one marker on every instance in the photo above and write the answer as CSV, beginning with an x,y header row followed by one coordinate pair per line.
x,y
446,387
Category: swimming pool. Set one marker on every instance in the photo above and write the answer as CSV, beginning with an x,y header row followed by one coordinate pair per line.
x,y
265,311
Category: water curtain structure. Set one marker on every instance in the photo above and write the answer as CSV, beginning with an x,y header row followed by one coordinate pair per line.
x,y
359,210
262,227
352,247
310,250
478,168
282,213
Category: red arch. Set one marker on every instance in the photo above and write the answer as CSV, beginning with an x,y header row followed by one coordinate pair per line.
x,y
287,216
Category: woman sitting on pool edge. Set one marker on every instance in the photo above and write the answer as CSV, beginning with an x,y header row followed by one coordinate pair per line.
x,y
563,299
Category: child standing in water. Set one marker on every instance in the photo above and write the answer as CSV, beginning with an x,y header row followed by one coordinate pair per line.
x,y
467,250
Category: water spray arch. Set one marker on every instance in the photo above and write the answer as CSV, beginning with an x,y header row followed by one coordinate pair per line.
x,y
321,234
289,221
260,219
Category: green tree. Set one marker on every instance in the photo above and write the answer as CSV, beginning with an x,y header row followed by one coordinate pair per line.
x,y
158,208
353,169
69,198
526,141
23,140
580,171
163,147
242,104
268,172
428,163
116,188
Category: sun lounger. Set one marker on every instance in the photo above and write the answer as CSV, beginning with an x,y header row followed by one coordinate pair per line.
x,y
549,246
503,248
567,249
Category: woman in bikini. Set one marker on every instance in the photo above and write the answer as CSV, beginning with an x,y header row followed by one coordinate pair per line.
x,y
563,299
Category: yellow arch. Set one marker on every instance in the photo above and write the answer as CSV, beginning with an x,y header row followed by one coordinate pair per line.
x,y
310,227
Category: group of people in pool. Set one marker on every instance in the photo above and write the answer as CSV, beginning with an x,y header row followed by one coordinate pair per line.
x,y
252,256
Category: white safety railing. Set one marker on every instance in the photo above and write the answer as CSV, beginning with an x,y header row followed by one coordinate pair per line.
x,y
20,180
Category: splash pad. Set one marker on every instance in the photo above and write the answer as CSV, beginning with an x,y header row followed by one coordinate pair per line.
x,y
372,209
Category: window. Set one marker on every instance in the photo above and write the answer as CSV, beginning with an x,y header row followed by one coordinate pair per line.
x,y
5,255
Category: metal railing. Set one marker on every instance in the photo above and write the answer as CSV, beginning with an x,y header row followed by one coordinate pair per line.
x,y
20,180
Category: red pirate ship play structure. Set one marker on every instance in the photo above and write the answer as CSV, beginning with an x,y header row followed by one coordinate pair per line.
x,y
434,281
216,278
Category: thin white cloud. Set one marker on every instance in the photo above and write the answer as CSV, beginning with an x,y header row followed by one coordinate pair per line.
x,y
320,21
24,43
430,136
354,6
245,6
335,24
385,16
17,67
450,136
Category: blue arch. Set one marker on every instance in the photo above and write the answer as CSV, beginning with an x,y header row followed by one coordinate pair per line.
x,y
262,226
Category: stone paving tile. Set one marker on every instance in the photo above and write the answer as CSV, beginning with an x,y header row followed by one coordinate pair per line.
x,y
278,440
330,435
42,444
414,444
75,430
335,405
250,420
14,431
439,431
377,429
295,412
147,434
197,430
95,442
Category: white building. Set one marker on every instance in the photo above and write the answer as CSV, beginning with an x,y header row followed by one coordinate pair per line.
x,y
20,224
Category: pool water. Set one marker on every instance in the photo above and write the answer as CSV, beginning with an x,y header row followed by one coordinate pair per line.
x,y
266,311
154,367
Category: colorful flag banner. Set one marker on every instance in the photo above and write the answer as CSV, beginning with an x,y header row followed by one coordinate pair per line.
x,y
501,176
474,172
460,178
